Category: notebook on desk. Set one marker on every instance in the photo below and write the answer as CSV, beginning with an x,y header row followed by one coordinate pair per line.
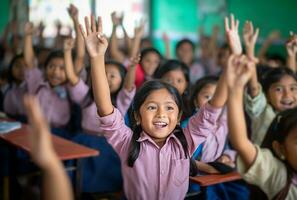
x,y
6,127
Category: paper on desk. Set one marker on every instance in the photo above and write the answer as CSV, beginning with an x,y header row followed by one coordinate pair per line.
x,y
6,127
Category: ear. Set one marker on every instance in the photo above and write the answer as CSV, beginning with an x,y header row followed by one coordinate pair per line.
x,y
179,116
137,118
279,150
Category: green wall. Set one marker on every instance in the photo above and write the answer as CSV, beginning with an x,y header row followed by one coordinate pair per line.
x,y
4,16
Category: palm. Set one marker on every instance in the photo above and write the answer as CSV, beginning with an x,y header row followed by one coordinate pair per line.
x,y
233,36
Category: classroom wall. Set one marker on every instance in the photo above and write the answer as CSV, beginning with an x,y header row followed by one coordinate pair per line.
x,y
4,16
182,18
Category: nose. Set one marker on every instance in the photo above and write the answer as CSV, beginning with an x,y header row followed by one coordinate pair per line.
x,y
287,92
161,113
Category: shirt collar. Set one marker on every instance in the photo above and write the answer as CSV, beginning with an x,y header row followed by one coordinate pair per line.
x,y
145,137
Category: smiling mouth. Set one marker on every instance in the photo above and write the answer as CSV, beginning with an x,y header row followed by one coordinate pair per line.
x,y
287,104
160,124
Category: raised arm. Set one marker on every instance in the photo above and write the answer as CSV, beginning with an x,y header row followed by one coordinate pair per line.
x,y
239,71
96,45
273,36
138,34
115,52
130,76
166,44
28,45
41,39
69,68
291,47
250,37
128,40
80,45
56,184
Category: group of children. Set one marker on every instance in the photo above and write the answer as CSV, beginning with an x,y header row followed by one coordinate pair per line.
x,y
157,120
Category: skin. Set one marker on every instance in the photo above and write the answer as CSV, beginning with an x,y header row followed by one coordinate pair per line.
x,y
205,95
55,72
185,53
158,115
113,77
283,94
177,79
289,148
18,70
150,63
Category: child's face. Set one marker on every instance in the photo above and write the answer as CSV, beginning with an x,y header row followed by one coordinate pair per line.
x,y
185,53
205,94
159,115
113,77
18,70
149,63
283,94
177,79
55,72
290,148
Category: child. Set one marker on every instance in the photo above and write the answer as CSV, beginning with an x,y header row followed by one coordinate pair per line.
x,y
13,106
273,169
55,181
51,91
156,141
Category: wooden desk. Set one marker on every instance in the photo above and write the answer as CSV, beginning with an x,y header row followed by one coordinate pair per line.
x,y
65,149
207,180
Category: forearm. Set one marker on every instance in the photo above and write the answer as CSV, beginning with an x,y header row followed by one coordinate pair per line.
x,y
220,95
80,48
135,46
291,63
70,73
237,127
253,86
28,51
100,86
127,38
167,49
130,78
114,50
56,184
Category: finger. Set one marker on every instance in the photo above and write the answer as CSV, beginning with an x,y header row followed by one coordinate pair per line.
x,y
82,31
227,28
232,22
93,24
236,25
99,28
87,26
256,33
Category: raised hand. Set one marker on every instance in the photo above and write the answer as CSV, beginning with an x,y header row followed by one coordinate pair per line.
x,y
239,71
29,28
73,12
139,29
250,37
291,45
68,44
42,151
116,21
95,42
232,35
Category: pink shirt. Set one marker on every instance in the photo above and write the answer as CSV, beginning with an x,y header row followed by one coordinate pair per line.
x,y
158,173
80,95
13,100
55,108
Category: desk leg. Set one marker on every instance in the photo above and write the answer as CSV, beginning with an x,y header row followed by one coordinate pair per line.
x,y
78,178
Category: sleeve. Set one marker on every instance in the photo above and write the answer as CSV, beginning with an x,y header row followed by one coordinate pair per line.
x,y
8,103
255,106
116,132
34,79
79,93
267,172
200,126
124,99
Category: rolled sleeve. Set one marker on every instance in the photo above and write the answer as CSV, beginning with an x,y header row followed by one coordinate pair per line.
x,y
79,92
255,106
34,79
124,99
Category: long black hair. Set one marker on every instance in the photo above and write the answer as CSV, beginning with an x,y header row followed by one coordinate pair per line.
x,y
279,129
146,89
10,78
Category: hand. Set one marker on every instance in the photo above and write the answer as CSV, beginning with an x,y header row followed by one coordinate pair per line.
x,y
232,35
250,37
134,61
239,71
42,151
68,44
95,42
116,21
273,36
139,29
29,28
225,159
165,37
291,45
73,12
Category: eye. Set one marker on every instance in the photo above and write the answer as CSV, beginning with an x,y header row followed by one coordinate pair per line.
x,y
278,89
169,108
294,88
208,97
151,107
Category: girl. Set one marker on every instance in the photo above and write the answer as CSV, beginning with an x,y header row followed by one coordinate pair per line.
x,y
273,169
51,91
101,173
156,141
13,106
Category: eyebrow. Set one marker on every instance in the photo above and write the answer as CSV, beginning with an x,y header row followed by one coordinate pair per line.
x,y
166,102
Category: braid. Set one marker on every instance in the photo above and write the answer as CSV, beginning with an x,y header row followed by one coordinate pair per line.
x,y
134,148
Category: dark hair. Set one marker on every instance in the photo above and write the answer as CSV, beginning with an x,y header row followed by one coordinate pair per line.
x,y
10,77
275,75
52,55
184,41
199,85
141,95
148,50
123,72
283,123
277,57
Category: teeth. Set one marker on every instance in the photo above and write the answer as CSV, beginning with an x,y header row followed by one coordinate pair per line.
x,y
160,123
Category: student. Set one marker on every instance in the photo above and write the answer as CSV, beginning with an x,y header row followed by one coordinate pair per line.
x,y
273,169
13,106
56,184
156,141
